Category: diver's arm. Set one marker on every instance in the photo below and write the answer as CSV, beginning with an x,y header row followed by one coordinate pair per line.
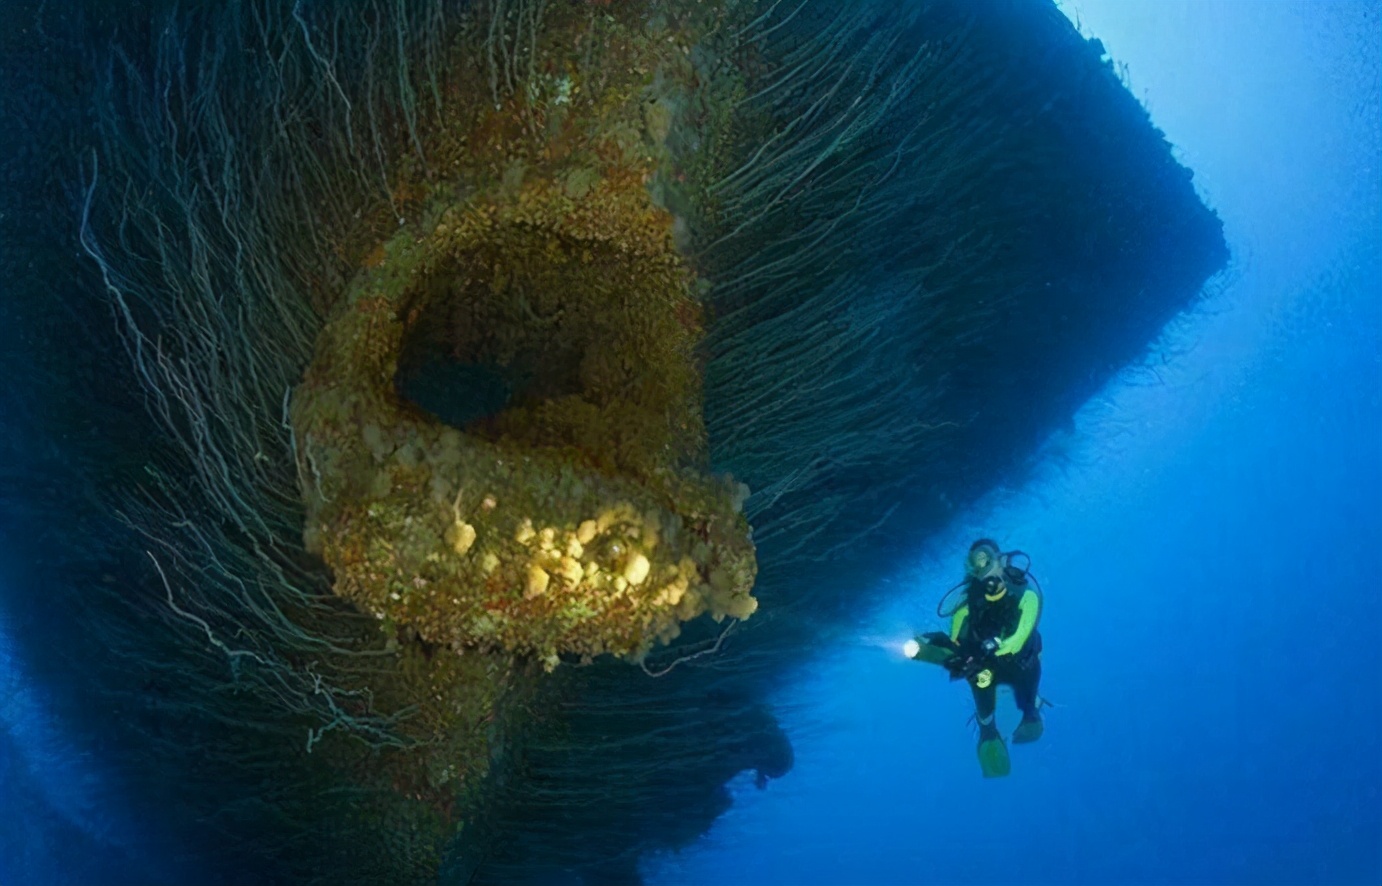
x,y
957,621
1029,607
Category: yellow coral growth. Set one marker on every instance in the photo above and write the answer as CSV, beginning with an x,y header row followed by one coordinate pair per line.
x,y
575,520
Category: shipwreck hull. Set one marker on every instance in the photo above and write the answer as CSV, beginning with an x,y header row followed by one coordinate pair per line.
x,y
528,392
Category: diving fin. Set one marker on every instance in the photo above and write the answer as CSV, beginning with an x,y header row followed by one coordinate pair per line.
x,y
1029,730
993,758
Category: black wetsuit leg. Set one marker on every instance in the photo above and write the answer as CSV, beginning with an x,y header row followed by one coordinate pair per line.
x,y
1026,677
1022,674
984,700
1026,683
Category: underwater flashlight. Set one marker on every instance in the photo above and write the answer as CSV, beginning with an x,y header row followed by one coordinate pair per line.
x,y
911,648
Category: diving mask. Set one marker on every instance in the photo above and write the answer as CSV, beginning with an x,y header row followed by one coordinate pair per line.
x,y
985,561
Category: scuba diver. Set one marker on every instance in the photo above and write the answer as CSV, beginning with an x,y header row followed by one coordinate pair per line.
x,y
993,641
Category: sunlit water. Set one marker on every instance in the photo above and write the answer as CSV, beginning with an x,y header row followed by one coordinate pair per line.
x,y
1206,540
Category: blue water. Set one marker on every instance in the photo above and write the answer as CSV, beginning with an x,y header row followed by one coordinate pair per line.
x,y
62,818
1209,537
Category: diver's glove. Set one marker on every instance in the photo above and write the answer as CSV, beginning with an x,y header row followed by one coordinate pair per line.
x,y
972,658
962,667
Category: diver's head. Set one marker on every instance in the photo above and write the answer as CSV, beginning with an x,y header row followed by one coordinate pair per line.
x,y
986,566
984,560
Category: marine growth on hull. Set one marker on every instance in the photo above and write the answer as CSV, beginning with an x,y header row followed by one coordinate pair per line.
x,y
464,324
500,436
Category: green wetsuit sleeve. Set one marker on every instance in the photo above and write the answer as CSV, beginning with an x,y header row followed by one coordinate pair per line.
x,y
957,621
1029,607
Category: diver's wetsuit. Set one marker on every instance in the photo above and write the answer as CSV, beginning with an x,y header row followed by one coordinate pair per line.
x,y
1022,672
1012,620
